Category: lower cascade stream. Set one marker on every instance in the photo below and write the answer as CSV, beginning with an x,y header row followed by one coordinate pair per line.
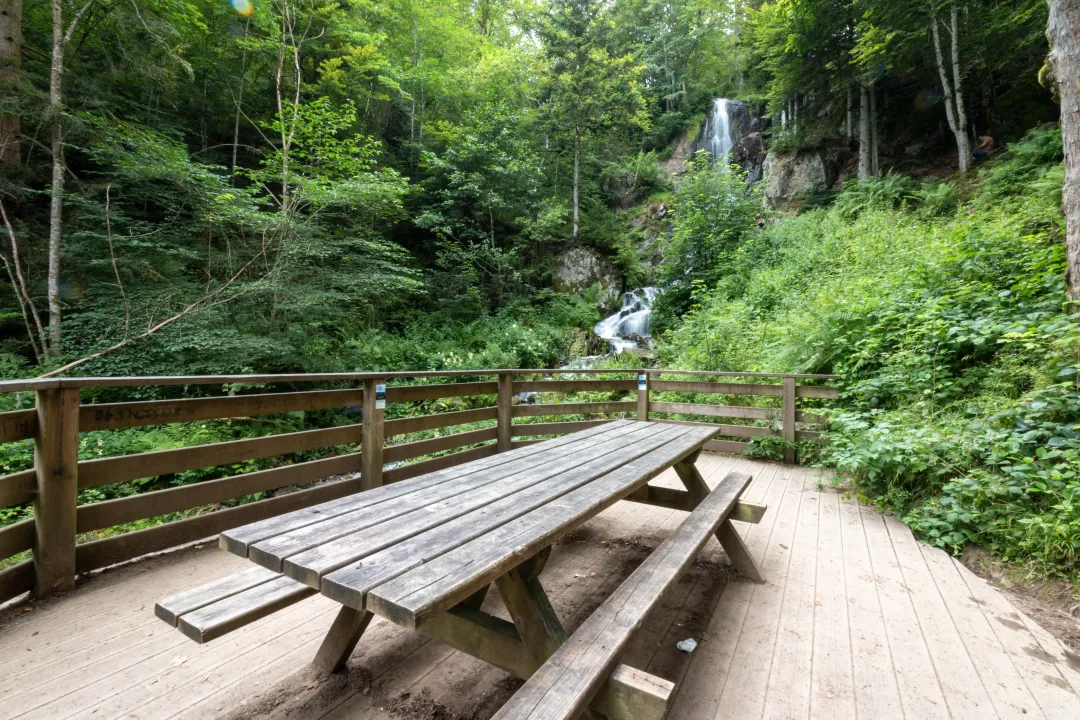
x,y
628,329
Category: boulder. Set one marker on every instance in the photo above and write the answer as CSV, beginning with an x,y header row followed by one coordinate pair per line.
x,y
580,268
788,175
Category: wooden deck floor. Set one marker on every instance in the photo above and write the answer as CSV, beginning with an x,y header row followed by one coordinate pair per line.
x,y
857,619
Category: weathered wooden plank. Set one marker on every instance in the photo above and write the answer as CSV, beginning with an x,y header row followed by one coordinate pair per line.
x,y
408,451
630,694
750,413
18,425
106,471
17,488
814,391
716,373
555,428
171,608
595,408
726,446
403,426
101,553
523,443
574,385
224,616
16,538
96,516
350,584
238,540
440,463
16,580
451,576
114,416
311,552
725,429
419,393
682,500
484,636
373,435
570,678
715,387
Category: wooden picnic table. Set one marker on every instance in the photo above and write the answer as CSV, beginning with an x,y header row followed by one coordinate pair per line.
x,y
423,552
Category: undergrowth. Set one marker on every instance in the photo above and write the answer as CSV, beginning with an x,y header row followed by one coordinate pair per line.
x,y
947,320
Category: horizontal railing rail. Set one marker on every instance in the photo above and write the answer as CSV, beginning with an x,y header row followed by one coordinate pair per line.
x,y
483,413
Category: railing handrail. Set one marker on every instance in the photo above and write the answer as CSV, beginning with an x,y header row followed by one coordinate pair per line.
x,y
28,384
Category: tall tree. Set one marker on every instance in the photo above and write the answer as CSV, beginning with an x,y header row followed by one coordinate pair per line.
x,y
1063,31
10,62
589,91
953,91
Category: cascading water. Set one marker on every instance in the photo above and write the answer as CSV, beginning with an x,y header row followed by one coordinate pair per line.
x,y
624,329
719,132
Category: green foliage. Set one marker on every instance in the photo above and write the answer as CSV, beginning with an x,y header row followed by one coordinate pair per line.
x,y
714,211
961,409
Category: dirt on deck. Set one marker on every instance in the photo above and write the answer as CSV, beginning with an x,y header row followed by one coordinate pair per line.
x,y
462,688
1054,604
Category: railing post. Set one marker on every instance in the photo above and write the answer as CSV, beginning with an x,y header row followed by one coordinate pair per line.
x,y
788,428
371,443
56,458
643,382
505,417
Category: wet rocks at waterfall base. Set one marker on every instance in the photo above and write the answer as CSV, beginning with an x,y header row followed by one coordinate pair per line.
x,y
628,329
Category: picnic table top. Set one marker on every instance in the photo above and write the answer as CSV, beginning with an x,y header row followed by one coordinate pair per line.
x,y
413,549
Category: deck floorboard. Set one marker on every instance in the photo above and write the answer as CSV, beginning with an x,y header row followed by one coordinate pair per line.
x,y
856,620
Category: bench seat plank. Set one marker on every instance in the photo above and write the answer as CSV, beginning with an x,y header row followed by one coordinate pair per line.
x,y
238,540
308,553
550,480
564,685
170,609
433,586
230,613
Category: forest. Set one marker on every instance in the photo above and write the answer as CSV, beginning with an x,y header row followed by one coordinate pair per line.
x,y
262,186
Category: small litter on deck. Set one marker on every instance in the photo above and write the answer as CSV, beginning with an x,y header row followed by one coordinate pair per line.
x,y
687,646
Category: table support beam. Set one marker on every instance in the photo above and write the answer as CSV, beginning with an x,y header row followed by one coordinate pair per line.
x,y
341,640
535,619
682,500
728,536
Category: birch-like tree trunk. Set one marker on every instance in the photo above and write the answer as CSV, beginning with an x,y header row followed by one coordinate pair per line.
x,y
963,146
963,141
1063,32
56,205
875,168
10,62
865,168
577,171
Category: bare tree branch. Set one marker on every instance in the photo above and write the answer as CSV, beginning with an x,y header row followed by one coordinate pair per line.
x,y
29,310
116,271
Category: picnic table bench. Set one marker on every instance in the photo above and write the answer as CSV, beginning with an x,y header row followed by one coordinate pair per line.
x,y
423,553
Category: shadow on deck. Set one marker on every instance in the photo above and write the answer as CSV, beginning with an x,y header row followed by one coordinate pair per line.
x,y
857,619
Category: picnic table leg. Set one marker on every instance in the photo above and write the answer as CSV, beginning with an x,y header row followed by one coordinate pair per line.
x,y
340,641
728,536
535,619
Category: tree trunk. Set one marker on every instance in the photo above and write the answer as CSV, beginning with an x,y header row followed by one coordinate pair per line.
x,y
10,62
962,146
577,170
875,170
57,203
1063,32
864,134
963,140
850,128
240,98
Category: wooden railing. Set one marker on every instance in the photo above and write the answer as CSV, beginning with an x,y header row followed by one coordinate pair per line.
x,y
374,451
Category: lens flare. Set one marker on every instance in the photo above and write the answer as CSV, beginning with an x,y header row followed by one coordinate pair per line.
x,y
243,7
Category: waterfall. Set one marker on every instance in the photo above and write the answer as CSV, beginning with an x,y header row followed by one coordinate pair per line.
x,y
632,319
719,131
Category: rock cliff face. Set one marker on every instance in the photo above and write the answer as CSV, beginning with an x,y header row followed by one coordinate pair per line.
x,y
787,175
749,153
579,268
